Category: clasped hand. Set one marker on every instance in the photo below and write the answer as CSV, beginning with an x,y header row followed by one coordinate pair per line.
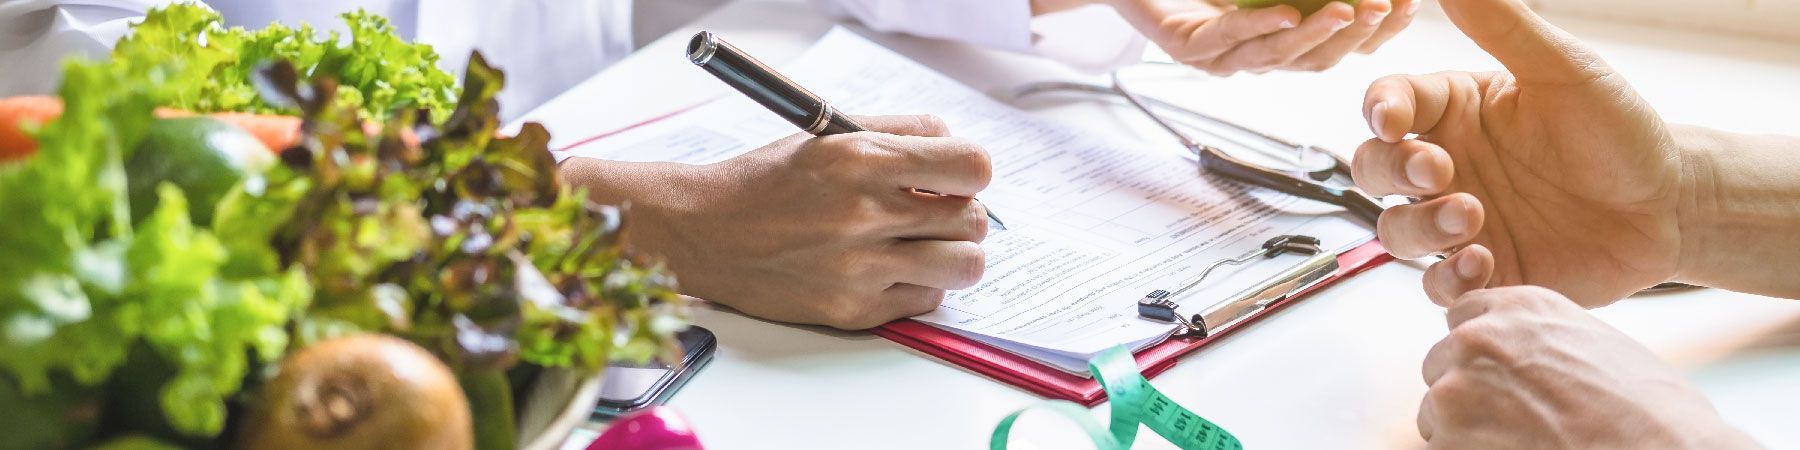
x,y
1523,367
1223,40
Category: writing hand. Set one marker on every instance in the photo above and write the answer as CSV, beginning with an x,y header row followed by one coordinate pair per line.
x,y
816,230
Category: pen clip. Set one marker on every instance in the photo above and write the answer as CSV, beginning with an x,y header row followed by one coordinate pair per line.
x,y
1159,306
1253,300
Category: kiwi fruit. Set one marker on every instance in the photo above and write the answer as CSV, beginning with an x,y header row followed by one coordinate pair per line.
x,y
367,391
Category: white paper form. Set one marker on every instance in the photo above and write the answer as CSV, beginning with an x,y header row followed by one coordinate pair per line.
x,y
1092,224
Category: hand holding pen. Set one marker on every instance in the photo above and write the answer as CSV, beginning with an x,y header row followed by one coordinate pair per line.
x,y
780,95
850,230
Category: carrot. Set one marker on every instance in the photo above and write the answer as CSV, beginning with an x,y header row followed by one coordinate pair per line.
x,y
15,114
276,132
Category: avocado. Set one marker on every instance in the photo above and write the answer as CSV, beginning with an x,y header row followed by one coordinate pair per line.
x,y
204,157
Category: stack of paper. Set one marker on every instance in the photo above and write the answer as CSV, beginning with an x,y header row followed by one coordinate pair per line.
x,y
1092,224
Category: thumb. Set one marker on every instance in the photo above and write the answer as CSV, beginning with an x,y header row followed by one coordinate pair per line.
x,y
1530,47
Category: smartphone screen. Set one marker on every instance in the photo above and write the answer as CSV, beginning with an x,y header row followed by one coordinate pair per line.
x,y
628,387
624,384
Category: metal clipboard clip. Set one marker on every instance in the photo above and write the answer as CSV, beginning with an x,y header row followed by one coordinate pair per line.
x,y
1159,305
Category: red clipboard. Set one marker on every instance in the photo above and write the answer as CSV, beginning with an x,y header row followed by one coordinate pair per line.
x,y
1034,376
1052,383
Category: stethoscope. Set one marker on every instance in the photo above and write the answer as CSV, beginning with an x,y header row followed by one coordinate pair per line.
x,y
1317,174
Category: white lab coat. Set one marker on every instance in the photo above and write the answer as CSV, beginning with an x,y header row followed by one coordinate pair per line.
x,y
546,46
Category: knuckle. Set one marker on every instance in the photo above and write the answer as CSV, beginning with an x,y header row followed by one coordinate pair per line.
x,y
1451,392
974,159
860,148
1482,338
1215,68
932,299
978,219
848,217
1270,60
1474,336
833,157
845,314
1172,29
932,125
969,265
1394,228
862,210
1314,64
1360,164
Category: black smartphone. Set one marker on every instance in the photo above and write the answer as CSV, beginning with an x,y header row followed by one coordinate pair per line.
x,y
630,387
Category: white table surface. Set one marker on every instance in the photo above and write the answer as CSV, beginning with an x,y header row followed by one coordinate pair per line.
x,y
1339,370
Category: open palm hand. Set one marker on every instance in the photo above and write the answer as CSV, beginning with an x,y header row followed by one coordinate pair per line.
x,y
1553,173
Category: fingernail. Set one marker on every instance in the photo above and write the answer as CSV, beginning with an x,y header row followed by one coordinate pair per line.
x,y
1374,17
1376,115
1341,24
1450,218
1413,7
1285,24
1418,170
1468,268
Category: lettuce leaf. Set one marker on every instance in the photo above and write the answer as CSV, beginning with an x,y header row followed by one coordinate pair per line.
x,y
377,71
63,270
80,285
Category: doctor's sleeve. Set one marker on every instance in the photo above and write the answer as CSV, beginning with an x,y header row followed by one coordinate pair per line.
x,y
1091,38
37,35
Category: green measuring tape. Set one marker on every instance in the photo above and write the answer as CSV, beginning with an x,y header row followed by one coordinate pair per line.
x,y
1134,401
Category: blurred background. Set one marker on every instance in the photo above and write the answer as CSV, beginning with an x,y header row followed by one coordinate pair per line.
x,y
1769,19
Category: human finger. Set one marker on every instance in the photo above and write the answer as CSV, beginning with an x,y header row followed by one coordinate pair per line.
x,y
1279,48
950,166
910,125
1399,104
1410,167
1451,394
1207,36
1366,17
1480,302
1466,270
1530,47
944,265
1420,229
941,217
1438,360
1427,417
904,300
1406,10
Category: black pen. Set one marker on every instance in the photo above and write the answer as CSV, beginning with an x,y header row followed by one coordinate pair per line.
x,y
773,91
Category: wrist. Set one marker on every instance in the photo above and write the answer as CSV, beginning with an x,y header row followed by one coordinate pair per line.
x,y
1697,209
1739,203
